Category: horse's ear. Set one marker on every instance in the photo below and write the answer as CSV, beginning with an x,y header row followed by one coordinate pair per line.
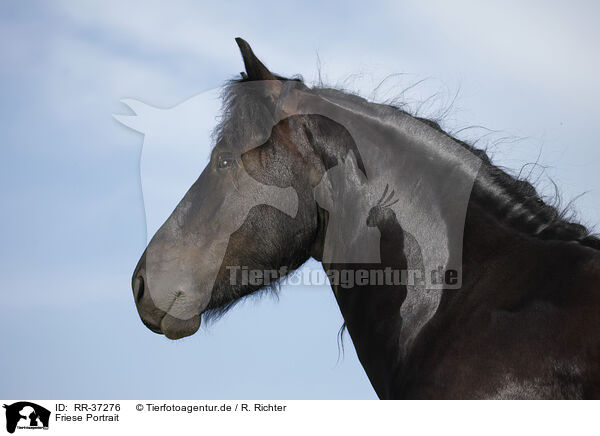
x,y
255,69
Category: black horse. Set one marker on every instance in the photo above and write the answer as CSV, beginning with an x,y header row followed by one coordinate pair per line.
x,y
503,300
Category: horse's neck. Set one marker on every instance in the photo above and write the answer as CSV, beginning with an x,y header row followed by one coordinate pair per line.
x,y
372,317
386,322
385,319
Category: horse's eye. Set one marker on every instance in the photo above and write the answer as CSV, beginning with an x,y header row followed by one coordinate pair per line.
x,y
225,160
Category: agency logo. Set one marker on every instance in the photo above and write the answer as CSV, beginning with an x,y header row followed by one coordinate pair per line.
x,y
26,415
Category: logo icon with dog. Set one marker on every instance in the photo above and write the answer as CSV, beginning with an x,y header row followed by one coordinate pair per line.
x,y
26,415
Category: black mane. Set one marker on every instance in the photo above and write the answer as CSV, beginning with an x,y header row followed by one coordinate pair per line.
x,y
513,201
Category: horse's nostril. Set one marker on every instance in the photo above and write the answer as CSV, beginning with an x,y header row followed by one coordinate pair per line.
x,y
138,288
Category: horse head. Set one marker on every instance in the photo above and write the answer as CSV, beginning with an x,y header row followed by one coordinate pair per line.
x,y
251,209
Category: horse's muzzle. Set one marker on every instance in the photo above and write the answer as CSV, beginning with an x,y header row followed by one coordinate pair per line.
x,y
154,318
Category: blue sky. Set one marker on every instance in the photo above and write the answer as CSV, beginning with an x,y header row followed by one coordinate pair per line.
x,y
73,223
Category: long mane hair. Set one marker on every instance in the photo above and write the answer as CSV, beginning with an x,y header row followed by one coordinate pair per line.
x,y
514,201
